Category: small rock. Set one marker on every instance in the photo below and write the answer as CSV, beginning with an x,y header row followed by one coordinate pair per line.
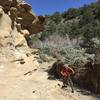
x,y
33,91
22,62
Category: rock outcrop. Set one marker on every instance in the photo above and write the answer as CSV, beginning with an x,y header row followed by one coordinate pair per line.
x,y
17,22
21,13
10,39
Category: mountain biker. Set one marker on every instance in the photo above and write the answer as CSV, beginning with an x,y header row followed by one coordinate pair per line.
x,y
66,73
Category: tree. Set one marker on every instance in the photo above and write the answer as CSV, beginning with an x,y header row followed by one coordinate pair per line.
x,y
88,31
74,30
72,13
97,12
87,17
97,28
50,28
56,17
61,29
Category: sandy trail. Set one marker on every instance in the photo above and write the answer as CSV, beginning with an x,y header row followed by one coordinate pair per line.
x,y
16,85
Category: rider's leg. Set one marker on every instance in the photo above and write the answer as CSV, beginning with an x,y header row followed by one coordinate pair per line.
x,y
65,82
71,83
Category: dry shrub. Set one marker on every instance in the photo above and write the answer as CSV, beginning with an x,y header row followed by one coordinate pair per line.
x,y
53,44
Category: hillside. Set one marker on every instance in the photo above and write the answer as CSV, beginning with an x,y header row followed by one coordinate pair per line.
x,y
74,37
23,71
84,21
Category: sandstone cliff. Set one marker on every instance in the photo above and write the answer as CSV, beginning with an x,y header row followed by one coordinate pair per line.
x,y
21,14
17,21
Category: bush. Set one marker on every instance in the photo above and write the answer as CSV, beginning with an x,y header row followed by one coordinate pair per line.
x,y
59,46
56,17
71,55
71,13
56,43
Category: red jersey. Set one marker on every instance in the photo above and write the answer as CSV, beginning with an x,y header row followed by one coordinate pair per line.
x,y
66,71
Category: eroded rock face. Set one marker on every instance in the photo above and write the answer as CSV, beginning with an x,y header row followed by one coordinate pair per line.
x,y
28,19
5,25
21,12
10,39
16,23
5,4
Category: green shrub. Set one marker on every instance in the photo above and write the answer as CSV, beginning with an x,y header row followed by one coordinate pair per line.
x,y
72,54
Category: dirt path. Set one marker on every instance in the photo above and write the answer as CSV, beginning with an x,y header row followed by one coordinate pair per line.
x,y
29,81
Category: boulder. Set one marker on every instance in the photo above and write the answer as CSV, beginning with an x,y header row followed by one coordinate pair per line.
x,y
23,15
29,20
